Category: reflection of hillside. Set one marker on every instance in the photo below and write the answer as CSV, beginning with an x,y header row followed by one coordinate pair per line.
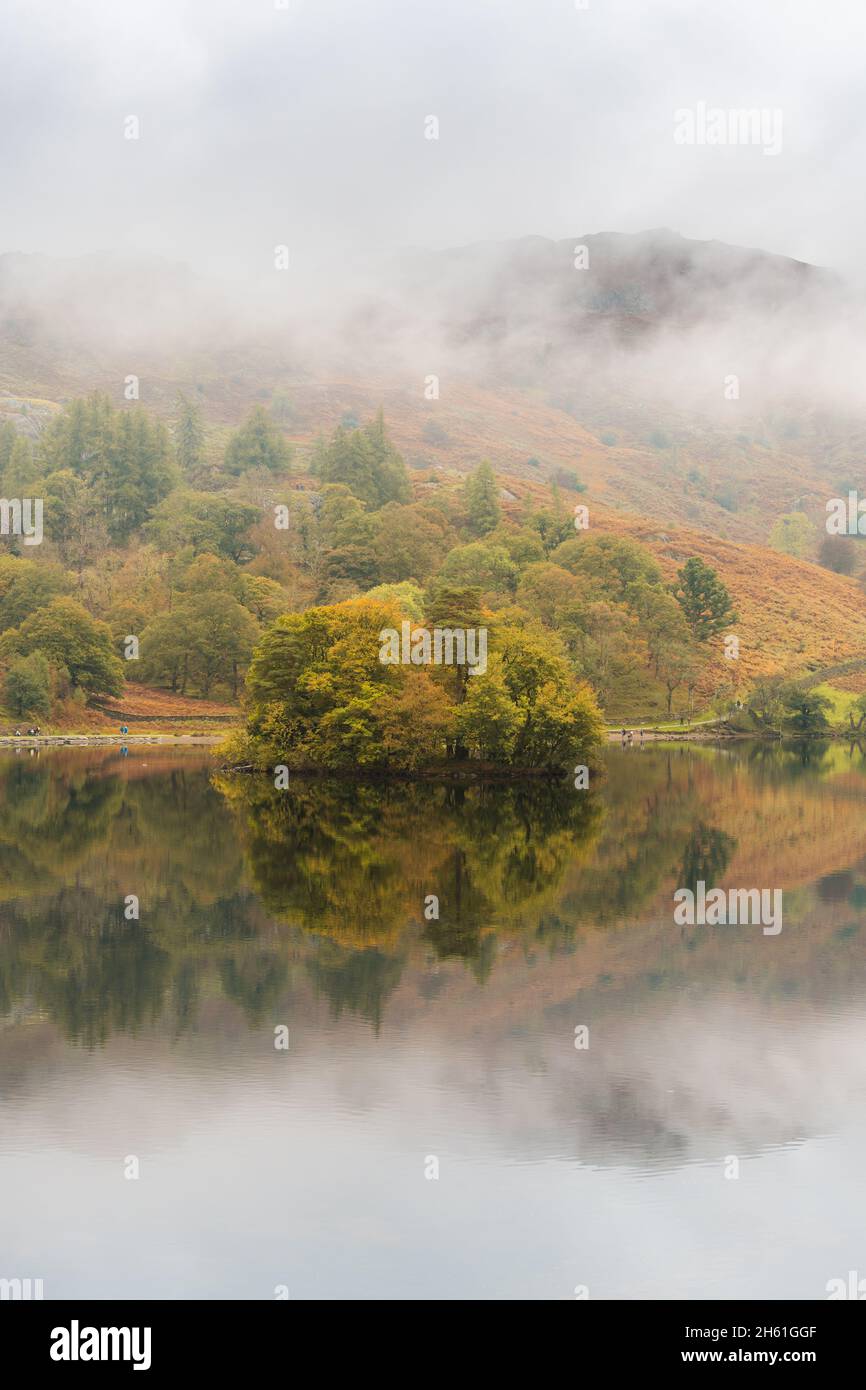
x,y
93,816
795,813
77,835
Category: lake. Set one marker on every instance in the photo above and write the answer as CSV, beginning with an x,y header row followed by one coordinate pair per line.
x,y
548,1088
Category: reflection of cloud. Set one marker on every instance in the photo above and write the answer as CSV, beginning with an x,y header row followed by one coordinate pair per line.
x,y
663,1082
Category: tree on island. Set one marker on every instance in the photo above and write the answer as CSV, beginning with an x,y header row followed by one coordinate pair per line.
x,y
320,695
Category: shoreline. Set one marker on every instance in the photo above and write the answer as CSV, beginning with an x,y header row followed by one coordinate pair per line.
x,y
104,740
613,739
695,735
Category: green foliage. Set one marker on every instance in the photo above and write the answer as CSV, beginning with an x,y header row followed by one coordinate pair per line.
x,y
488,721
481,566
608,649
559,717
282,409
188,435
121,457
433,433
206,640
196,570
523,543
777,704
838,554
793,534
73,642
566,477
26,585
660,439
205,522
257,444
554,524
19,467
704,599
8,436
265,598
807,709
454,605
366,462
546,589
27,687
481,495
726,497
406,596
617,568
320,695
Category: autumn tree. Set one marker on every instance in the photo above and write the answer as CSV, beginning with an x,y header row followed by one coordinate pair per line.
x,y
206,640
204,522
73,642
559,715
615,567
488,721
26,585
27,686
480,566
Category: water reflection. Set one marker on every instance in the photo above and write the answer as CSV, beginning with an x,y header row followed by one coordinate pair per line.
x,y
455,1035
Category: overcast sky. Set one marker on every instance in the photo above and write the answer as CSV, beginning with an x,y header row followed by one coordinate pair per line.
x,y
306,125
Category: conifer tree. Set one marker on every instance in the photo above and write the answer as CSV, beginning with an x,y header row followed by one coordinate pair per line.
x,y
483,507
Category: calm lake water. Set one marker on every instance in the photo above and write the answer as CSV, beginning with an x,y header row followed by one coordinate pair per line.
x,y
414,1042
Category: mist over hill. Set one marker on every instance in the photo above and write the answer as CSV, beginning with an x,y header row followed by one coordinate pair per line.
x,y
652,317
689,380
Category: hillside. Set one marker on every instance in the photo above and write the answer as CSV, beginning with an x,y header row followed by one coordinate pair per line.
x,y
601,386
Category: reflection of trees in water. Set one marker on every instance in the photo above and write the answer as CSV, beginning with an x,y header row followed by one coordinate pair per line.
x,y
360,981
90,972
652,805
75,839
707,855
462,940
789,759
94,973
49,825
356,863
256,982
348,866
